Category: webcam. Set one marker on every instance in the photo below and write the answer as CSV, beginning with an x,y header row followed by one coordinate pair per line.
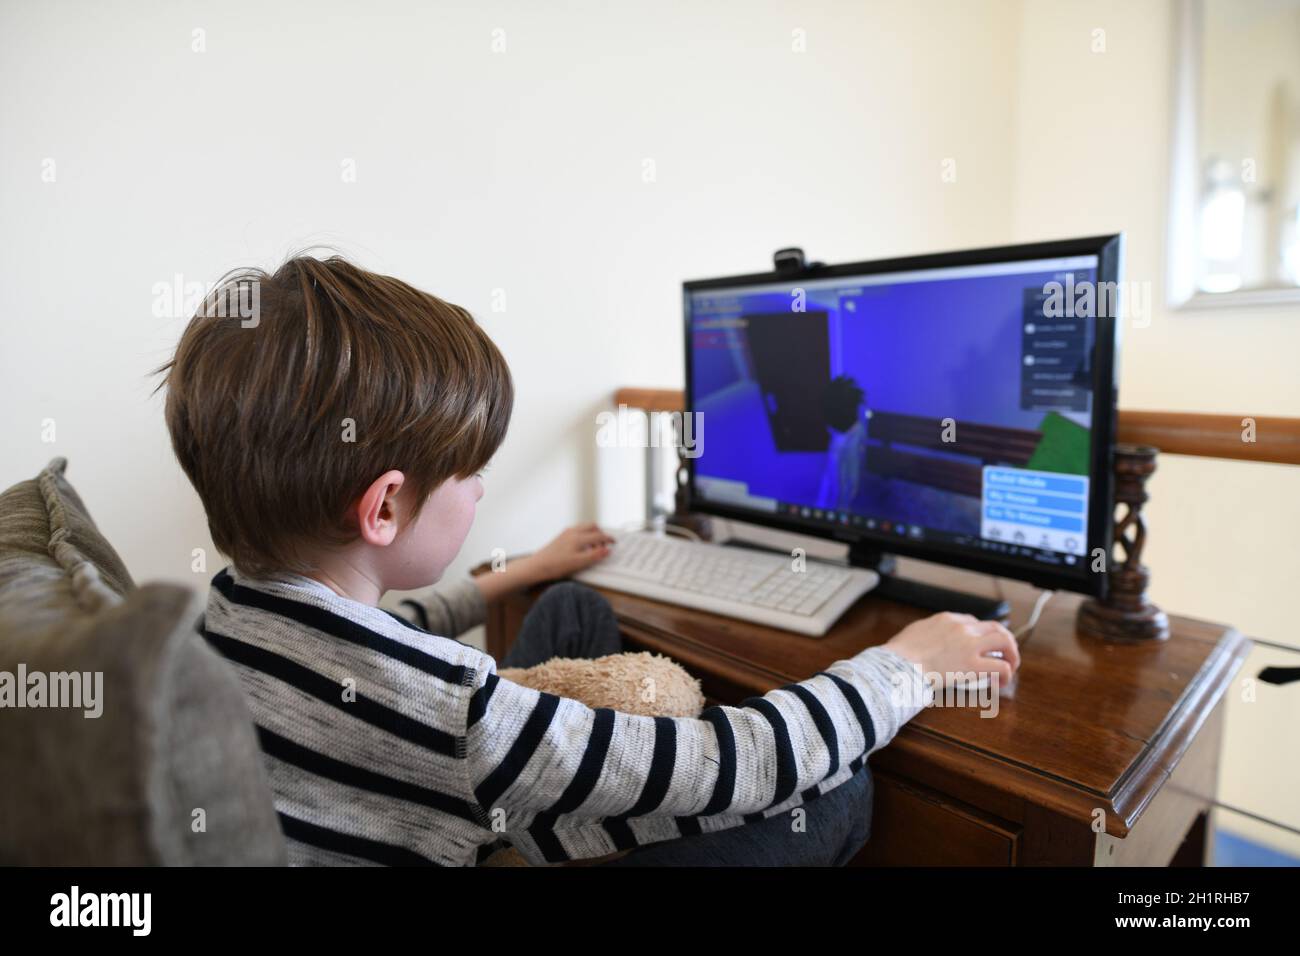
x,y
790,261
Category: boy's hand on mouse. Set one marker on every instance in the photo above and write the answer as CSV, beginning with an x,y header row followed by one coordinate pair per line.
x,y
953,644
571,550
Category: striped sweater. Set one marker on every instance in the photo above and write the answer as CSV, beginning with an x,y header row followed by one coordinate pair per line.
x,y
388,744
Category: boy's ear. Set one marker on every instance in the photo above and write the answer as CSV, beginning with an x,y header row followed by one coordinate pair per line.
x,y
377,510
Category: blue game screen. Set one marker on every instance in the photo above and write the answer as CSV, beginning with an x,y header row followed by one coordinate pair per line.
x,y
950,404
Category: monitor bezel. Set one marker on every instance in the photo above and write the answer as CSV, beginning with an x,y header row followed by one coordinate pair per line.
x,y
1105,372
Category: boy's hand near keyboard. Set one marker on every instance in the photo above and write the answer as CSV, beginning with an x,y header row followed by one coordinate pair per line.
x,y
573,549
958,644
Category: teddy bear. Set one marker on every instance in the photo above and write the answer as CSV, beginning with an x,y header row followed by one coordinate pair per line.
x,y
649,685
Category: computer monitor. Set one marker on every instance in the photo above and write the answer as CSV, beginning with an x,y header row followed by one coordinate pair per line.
x,y
959,408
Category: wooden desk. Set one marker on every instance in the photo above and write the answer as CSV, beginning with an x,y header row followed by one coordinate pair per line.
x,y
1102,755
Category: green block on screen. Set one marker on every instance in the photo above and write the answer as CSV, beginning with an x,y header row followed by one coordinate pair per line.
x,y
1064,447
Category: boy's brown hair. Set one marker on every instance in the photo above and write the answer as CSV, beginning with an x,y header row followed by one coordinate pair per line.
x,y
284,414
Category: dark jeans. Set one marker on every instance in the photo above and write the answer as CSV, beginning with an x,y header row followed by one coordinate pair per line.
x,y
572,620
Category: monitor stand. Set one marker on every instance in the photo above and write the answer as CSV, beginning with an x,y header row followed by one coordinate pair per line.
x,y
929,597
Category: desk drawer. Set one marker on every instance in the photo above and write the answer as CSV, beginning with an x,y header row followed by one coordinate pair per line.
x,y
915,826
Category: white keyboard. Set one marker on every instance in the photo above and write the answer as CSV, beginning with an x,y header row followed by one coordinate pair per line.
x,y
736,582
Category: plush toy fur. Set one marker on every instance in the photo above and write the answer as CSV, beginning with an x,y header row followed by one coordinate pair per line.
x,y
650,685
647,684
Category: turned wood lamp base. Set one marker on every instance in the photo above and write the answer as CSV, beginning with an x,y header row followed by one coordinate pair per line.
x,y
1125,615
1100,620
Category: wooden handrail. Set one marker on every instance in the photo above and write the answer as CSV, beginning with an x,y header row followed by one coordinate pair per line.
x,y
1276,439
651,399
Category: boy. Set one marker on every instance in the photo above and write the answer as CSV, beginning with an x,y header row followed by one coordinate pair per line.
x,y
337,444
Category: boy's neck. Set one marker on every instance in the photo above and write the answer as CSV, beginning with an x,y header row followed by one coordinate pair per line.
x,y
347,580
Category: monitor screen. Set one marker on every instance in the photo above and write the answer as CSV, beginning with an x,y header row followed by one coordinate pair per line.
x,y
948,411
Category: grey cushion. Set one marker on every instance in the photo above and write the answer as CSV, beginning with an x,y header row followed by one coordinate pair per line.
x,y
174,736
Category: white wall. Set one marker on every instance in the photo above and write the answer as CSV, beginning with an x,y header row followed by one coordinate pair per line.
x,y
520,170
